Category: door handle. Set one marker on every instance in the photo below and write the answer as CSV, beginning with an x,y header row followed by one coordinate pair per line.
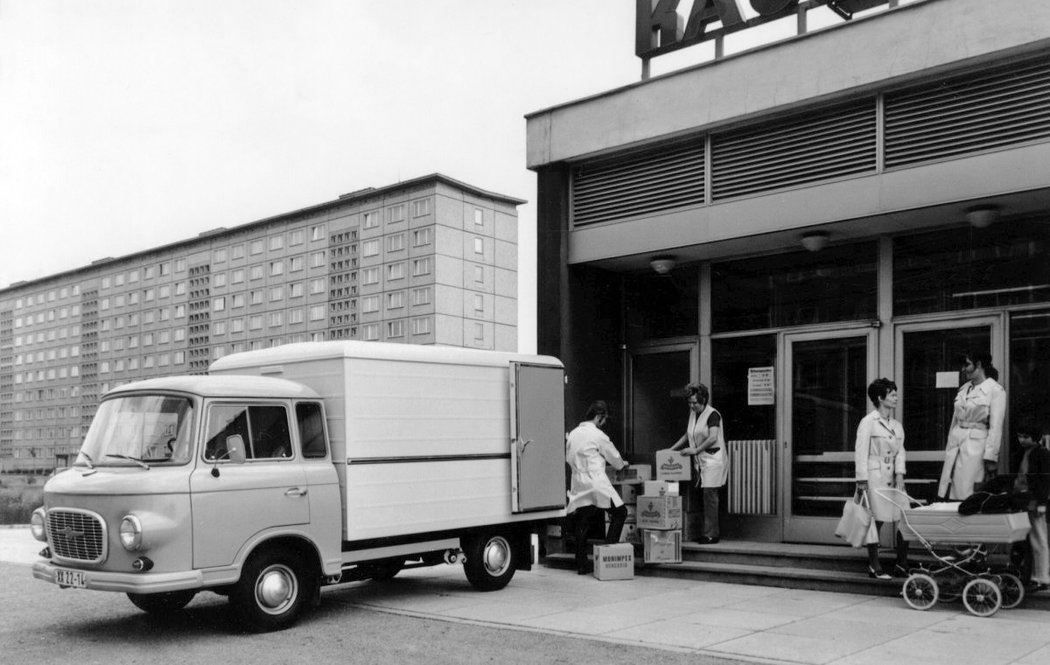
x,y
295,491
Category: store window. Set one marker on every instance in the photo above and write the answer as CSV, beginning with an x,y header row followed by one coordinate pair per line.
x,y
662,306
796,289
968,268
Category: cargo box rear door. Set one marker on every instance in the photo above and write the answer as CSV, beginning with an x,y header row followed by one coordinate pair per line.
x,y
537,437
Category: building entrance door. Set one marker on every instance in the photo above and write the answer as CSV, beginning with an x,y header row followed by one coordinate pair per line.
x,y
825,381
927,373
657,412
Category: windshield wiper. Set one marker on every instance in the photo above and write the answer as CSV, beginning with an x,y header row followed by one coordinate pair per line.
x,y
130,459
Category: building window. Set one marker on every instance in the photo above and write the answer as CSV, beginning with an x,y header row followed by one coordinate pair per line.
x,y
219,255
218,304
255,297
276,293
370,248
317,312
370,332
180,334
237,325
317,286
421,326
370,276
238,300
276,268
420,207
237,252
421,237
180,265
237,276
180,311
295,264
395,329
370,304
295,290
395,300
276,243
479,246
396,213
317,232
276,319
479,303
395,271
421,266
256,247
371,219
317,259
479,217
217,328
479,332
255,322
255,272
421,296
219,279
479,274
295,237
395,243
295,315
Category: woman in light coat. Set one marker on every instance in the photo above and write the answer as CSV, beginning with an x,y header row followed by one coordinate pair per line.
x,y
976,432
587,451
705,442
879,465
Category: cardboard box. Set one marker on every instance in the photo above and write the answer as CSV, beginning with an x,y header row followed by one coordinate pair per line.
x,y
614,562
632,473
660,488
662,546
631,534
672,465
660,512
629,493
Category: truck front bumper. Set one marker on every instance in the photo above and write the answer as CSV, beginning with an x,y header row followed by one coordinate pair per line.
x,y
101,580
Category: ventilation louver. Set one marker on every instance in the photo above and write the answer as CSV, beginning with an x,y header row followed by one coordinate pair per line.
x,y
967,114
672,177
819,145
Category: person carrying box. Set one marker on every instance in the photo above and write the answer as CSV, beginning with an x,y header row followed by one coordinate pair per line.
x,y
1033,480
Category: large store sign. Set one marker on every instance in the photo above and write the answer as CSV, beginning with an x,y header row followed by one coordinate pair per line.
x,y
661,29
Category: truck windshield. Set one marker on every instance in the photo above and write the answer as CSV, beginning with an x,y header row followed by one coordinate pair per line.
x,y
139,430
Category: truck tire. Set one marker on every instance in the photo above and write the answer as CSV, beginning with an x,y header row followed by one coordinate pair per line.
x,y
162,603
490,561
272,591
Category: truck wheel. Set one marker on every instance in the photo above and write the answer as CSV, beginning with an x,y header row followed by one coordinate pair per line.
x,y
271,592
490,561
162,603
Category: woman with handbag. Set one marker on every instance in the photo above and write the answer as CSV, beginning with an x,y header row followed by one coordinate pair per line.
x,y
880,466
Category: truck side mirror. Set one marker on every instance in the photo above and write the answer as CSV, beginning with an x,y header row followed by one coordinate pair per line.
x,y
235,448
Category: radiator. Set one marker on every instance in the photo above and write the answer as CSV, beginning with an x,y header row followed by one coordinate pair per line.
x,y
752,477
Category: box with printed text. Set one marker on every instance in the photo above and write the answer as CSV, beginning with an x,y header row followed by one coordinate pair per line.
x,y
672,465
614,562
660,512
662,546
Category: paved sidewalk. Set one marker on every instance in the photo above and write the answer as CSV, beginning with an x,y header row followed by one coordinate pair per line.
x,y
750,623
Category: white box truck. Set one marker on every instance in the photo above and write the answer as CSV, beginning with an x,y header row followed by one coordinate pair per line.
x,y
308,464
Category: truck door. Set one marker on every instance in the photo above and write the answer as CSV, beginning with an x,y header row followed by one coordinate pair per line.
x,y
537,437
267,490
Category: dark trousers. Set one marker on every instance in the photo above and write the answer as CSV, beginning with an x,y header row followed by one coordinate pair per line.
x,y
583,522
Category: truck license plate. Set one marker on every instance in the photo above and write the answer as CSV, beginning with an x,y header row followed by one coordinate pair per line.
x,y
71,578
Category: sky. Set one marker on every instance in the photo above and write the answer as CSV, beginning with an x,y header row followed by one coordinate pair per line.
x,y
128,124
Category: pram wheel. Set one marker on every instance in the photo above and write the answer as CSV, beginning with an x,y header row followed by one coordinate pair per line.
x,y
1012,589
982,597
920,591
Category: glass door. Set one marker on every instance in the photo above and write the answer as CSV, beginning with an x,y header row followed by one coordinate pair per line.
x,y
657,411
825,380
928,375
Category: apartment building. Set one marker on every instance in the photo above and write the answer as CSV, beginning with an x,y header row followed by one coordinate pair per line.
x,y
426,261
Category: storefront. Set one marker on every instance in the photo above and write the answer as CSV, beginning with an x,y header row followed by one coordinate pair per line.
x,y
792,222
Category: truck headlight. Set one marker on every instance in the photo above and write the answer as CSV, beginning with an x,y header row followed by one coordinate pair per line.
x,y
38,524
131,533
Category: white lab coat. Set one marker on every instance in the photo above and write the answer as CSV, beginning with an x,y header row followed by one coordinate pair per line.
x,y
975,435
587,450
880,455
713,468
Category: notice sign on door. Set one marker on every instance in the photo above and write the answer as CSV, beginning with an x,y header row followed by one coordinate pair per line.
x,y
760,388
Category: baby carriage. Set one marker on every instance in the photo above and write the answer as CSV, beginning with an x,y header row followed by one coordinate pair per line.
x,y
971,558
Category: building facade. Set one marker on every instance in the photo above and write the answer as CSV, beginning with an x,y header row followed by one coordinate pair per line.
x,y
791,222
427,261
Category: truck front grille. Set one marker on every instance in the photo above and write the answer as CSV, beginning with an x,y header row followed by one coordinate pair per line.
x,y
76,535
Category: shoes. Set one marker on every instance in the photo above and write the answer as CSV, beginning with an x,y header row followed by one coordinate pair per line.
x,y
900,571
586,570
1036,587
878,574
705,540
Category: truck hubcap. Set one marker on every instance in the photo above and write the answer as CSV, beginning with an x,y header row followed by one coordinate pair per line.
x,y
497,556
276,588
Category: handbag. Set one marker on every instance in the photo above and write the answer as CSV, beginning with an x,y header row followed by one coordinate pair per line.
x,y
856,525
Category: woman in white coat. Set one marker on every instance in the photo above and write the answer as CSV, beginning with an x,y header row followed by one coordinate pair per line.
x,y
587,451
976,431
705,442
879,466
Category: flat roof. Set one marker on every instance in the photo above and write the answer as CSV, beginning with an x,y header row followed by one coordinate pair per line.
x,y
221,386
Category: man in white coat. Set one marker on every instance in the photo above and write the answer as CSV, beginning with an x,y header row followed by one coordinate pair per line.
x,y
587,450
975,435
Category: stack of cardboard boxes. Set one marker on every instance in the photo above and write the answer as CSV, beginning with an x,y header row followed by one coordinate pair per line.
x,y
659,509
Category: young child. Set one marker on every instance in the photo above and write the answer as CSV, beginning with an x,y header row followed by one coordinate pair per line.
x,y
1033,477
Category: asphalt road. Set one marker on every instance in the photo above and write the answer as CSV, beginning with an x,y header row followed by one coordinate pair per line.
x,y
42,624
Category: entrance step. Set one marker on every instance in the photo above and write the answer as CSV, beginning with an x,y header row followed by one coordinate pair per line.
x,y
785,565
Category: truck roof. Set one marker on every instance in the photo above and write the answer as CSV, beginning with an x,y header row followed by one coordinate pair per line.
x,y
222,386
451,355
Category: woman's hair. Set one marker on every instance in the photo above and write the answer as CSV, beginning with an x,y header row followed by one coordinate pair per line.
x,y
1030,427
879,388
699,391
597,408
985,361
